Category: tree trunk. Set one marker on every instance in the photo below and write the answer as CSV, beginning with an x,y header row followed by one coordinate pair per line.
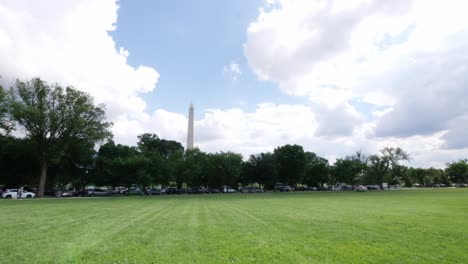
x,y
43,167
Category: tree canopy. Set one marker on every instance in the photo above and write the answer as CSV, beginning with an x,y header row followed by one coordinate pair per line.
x,y
4,124
53,117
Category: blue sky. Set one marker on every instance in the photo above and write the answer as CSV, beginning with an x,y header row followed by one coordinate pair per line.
x,y
332,76
189,43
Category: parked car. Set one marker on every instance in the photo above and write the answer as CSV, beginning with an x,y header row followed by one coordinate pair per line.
x,y
96,192
172,190
361,188
283,188
347,188
118,190
10,193
196,190
228,190
66,193
134,191
153,191
212,190
373,187
246,189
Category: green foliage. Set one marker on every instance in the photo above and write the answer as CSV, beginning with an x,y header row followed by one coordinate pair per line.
x,y
350,169
4,124
317,170
378,166
222,169
193,172
17,162
260,168
458,171
290,160
151,143
114,165
55,117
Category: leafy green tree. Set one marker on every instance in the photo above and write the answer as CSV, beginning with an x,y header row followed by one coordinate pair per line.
x,y
438,175
194,163
290,160
77,164
4,124
110,165
317,171
350,169
378,166
161,153
151,143
222,169
458,171
260,168
176,165
17,162
53,117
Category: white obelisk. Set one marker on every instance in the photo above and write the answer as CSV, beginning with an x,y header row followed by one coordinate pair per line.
x,y
190,128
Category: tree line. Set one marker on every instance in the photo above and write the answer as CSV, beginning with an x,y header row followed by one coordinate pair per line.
x,y
61,128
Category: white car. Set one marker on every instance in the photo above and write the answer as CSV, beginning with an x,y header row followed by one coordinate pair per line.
x,y
10,193
361,188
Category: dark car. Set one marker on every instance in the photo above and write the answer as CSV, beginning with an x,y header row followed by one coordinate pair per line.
x,y
134,191
153,191
196,191
347,188
373,187
172,190
212,190
50,192
283,188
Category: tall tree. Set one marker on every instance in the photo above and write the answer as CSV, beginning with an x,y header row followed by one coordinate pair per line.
x,y
161,153
317,170
350,169
290,160
4,124
53,117
458,171
194,162
148,143
222,169
260,168
380,165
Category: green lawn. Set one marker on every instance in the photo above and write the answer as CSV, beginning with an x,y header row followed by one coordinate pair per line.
x,y
420,226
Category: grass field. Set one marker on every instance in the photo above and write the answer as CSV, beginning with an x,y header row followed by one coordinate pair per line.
x,y
420,226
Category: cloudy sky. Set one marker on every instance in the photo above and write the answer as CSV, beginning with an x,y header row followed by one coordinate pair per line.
x,y
332,76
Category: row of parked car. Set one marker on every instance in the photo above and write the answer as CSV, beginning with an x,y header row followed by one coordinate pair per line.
x,y
30,193
137,191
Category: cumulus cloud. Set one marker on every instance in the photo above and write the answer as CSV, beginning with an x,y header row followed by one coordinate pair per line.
x,y
408,59
68,42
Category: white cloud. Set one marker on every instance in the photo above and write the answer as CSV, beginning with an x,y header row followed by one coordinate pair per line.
x,y
68,42
406,58
233,70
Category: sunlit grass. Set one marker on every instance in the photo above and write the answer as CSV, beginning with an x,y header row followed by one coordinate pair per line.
x,y
421,226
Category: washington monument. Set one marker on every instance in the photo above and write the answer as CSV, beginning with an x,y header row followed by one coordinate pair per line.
x,y
190,128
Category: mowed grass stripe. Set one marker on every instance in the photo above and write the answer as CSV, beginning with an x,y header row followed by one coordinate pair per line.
x,y
426,226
